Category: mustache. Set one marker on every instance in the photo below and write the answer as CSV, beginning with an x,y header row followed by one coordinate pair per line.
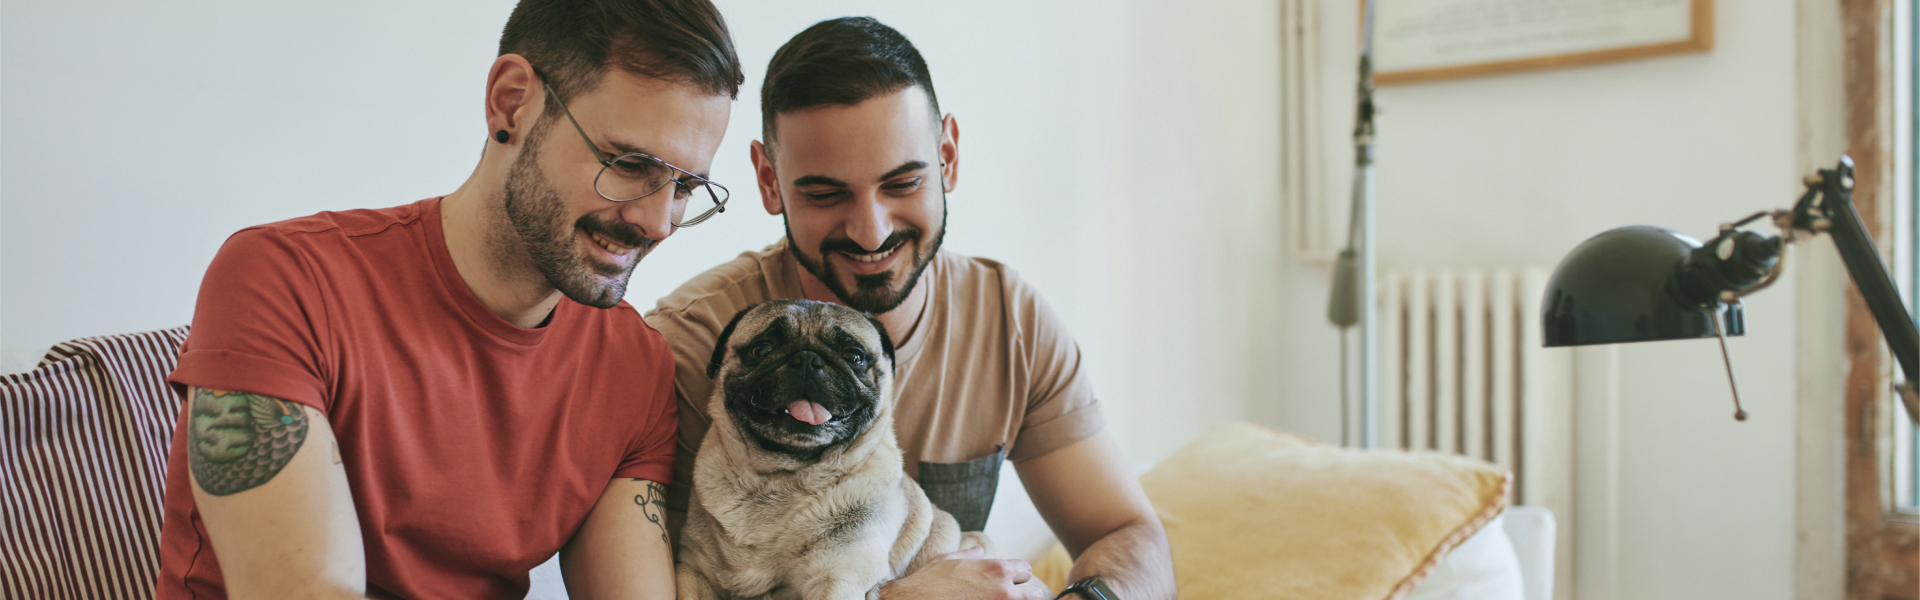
x,y
624,235
843,244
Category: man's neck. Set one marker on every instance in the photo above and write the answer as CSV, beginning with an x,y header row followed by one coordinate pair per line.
x,y
472,223
901,322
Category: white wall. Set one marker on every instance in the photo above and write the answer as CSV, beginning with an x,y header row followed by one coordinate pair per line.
x,y
1515,170
1116,153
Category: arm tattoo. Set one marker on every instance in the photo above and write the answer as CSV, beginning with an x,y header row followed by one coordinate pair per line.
x,y
653,504
241,440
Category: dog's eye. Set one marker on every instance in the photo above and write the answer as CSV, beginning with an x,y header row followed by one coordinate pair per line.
x,y
855,356
759,351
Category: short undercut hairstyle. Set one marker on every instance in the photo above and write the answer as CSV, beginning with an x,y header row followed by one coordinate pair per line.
x,y
572,43
841,62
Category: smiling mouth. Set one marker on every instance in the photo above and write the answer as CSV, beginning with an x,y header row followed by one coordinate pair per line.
x,y
870,257
608,244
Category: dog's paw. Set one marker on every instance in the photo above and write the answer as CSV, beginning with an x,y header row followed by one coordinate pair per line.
x,y
977,539
692,585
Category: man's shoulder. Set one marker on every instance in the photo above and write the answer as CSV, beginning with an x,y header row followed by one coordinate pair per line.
x,y
357,222
712,298
977,276
318,231
985,295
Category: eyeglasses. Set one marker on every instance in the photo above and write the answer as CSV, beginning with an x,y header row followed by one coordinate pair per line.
x,y
636,175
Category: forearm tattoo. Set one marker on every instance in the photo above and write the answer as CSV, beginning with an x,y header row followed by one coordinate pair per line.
x,y
653,504
241,440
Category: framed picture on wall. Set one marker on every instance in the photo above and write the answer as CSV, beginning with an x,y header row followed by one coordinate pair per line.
x,y
1425,40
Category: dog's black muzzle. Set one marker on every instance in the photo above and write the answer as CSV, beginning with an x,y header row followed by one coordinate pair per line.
x,y
760,397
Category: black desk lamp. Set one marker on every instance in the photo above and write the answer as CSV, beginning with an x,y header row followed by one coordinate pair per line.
x,y
1643,283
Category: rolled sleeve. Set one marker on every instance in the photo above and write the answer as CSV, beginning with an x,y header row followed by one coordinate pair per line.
x,y
651,456
1061,408
259,324
1041,437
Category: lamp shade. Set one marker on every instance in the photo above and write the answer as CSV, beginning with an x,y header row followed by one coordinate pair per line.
x,y
1623,286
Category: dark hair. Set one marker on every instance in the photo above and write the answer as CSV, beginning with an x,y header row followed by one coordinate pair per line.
x,y
573,42
841,62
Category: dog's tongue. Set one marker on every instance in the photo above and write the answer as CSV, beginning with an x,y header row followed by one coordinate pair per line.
x,y
811,412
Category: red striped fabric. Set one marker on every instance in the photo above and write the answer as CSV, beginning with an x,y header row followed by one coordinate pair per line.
x,y
83,452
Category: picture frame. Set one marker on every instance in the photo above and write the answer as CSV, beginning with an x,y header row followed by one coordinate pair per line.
x,y
1428,40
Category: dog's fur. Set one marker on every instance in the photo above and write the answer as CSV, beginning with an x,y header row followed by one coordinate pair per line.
x,y
784,509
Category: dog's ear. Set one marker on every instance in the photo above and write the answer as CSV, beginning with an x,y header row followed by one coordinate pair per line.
x,y
720,347
886,343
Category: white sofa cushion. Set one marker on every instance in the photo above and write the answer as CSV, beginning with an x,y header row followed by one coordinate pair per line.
x,y
1482,568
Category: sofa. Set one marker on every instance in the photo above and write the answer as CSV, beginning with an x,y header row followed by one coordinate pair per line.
x,y
84,437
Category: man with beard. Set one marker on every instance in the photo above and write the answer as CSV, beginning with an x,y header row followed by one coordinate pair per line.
x,y
427,401
857,160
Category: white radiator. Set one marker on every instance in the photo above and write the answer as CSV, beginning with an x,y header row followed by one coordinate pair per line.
x,y
1462,371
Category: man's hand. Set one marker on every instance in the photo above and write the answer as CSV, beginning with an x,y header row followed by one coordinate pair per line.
x,y
963,575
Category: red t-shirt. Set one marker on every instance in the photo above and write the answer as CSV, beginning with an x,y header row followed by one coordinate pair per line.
x,y
474,448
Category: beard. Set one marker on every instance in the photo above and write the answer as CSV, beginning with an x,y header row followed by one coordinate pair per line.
x,y
879,292
536,218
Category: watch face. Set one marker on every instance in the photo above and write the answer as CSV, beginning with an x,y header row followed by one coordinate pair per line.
x,y
1100,587
1092,588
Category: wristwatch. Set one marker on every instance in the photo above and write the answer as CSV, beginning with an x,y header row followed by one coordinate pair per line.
x,y
1091,588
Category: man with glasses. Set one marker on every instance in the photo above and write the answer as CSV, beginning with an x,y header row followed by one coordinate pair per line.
x,y
857,160
432,399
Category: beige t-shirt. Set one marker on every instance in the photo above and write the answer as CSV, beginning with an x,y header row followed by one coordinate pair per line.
x,y
990,372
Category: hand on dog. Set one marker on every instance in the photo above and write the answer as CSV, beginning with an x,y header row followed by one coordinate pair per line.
x,y
964,574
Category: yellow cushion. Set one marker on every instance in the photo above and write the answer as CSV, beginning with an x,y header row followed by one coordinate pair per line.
x,y
1255,513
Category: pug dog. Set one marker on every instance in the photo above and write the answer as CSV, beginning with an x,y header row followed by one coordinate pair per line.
x,y
798,490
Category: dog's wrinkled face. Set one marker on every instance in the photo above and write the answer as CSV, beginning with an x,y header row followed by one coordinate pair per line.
x,y
801,377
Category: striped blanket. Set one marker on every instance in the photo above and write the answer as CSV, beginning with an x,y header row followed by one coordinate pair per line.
x,y
83,452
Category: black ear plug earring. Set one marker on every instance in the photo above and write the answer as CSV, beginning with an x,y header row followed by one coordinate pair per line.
x,y
500,136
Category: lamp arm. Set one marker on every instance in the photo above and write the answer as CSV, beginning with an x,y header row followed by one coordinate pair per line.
x,y
1835,214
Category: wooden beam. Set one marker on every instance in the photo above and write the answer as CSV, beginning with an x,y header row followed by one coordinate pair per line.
x,y
1883,551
